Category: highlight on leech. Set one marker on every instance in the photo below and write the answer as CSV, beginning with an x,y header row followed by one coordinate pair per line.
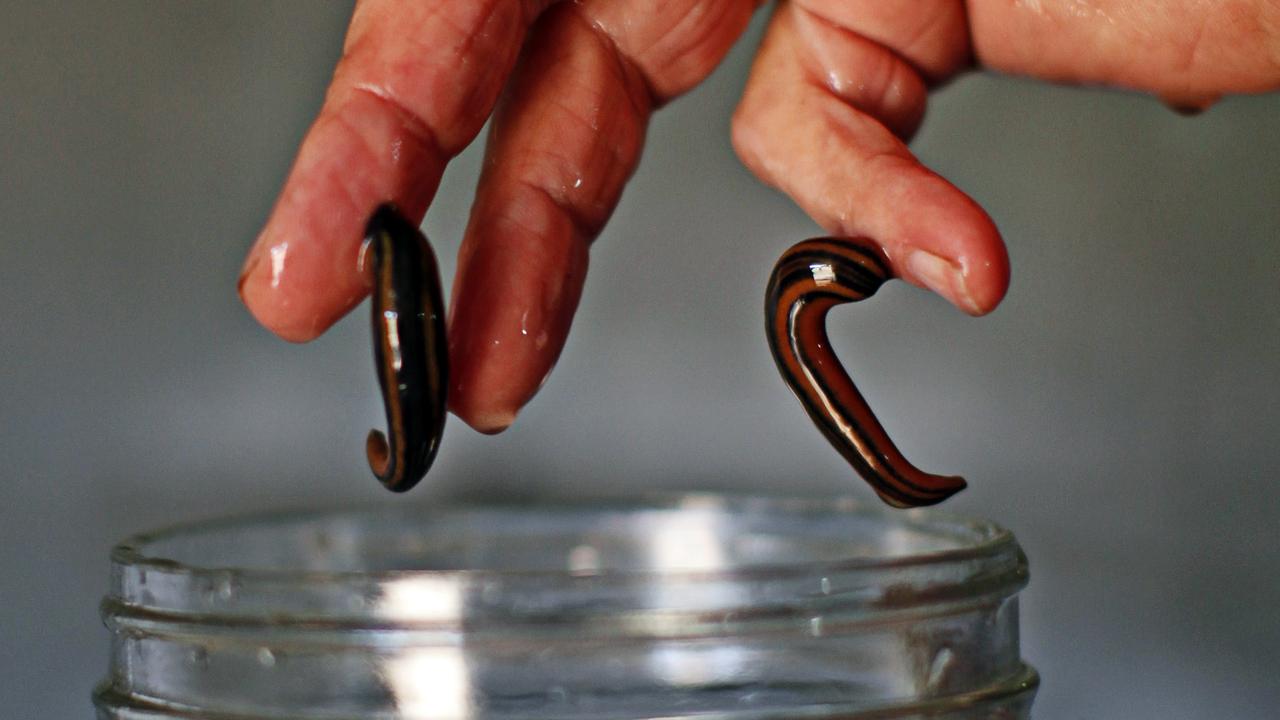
x,y
807,281
410,352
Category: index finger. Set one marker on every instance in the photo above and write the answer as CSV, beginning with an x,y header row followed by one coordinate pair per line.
x,y
415,84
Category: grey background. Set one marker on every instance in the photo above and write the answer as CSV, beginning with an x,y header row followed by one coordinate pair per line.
x,y
1119,412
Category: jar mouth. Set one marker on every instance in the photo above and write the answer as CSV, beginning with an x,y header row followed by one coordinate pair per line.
x,y
686,566
737,606
695,537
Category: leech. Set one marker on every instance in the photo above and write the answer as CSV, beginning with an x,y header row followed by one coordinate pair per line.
x,y
408,348
808,280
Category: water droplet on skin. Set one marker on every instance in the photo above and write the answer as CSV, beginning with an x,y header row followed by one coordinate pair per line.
x,y
835,82
266,658
815,626
826,586
278,255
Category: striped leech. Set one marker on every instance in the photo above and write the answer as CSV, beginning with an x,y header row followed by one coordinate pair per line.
x,y
808,280
409,349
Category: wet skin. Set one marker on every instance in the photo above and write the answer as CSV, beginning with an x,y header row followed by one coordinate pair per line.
x,y
837,88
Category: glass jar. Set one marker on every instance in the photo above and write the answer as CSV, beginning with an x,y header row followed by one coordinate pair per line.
x,y
700,606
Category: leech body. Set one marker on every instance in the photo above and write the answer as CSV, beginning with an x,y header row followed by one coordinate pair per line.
x,y
808,280
409,349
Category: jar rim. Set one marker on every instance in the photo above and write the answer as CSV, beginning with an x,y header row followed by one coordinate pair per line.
x,y
989,539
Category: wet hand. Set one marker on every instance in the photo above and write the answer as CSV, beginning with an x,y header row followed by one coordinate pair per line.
x,y
837,88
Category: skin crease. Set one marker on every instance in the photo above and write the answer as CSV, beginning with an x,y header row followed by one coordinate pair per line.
x,y
837,88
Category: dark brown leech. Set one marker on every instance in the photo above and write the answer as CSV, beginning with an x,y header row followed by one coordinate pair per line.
x,y
808,280
408,348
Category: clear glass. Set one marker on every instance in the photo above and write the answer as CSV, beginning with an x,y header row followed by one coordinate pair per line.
x,y
700,606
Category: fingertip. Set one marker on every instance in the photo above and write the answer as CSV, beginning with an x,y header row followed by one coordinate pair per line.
x,y
975,282
486,388
292,315
278,320
486,422
984,264
986,283
1189,105
947,243
942,276
250,264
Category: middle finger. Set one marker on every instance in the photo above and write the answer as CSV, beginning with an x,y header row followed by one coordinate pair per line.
x,y
564,141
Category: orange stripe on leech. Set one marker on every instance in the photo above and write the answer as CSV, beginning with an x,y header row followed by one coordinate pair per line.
x,y
784,329
791,294
816,246
836,398
833,248
840,287
848,411
796,330
865,256
386,298
840,408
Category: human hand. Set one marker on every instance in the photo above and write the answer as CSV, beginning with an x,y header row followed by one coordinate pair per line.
x,y
837,87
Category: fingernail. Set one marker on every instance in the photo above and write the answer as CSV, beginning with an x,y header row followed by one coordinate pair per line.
x,y
1189,106
942,277
491,423
1186,110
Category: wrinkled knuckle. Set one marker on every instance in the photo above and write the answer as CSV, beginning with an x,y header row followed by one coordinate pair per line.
x,y
938,42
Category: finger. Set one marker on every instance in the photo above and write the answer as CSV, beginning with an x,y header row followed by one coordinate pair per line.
x,y
818,141
931,35
564,141
859,71
414,86
1188,51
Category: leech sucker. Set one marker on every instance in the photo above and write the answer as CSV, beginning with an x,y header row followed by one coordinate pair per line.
x,y
808,280
409,349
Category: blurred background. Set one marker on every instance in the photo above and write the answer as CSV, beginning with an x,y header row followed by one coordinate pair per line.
x,y
1119,411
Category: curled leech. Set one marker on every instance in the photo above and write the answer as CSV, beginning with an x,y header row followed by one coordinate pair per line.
x,y
808,280
408,347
